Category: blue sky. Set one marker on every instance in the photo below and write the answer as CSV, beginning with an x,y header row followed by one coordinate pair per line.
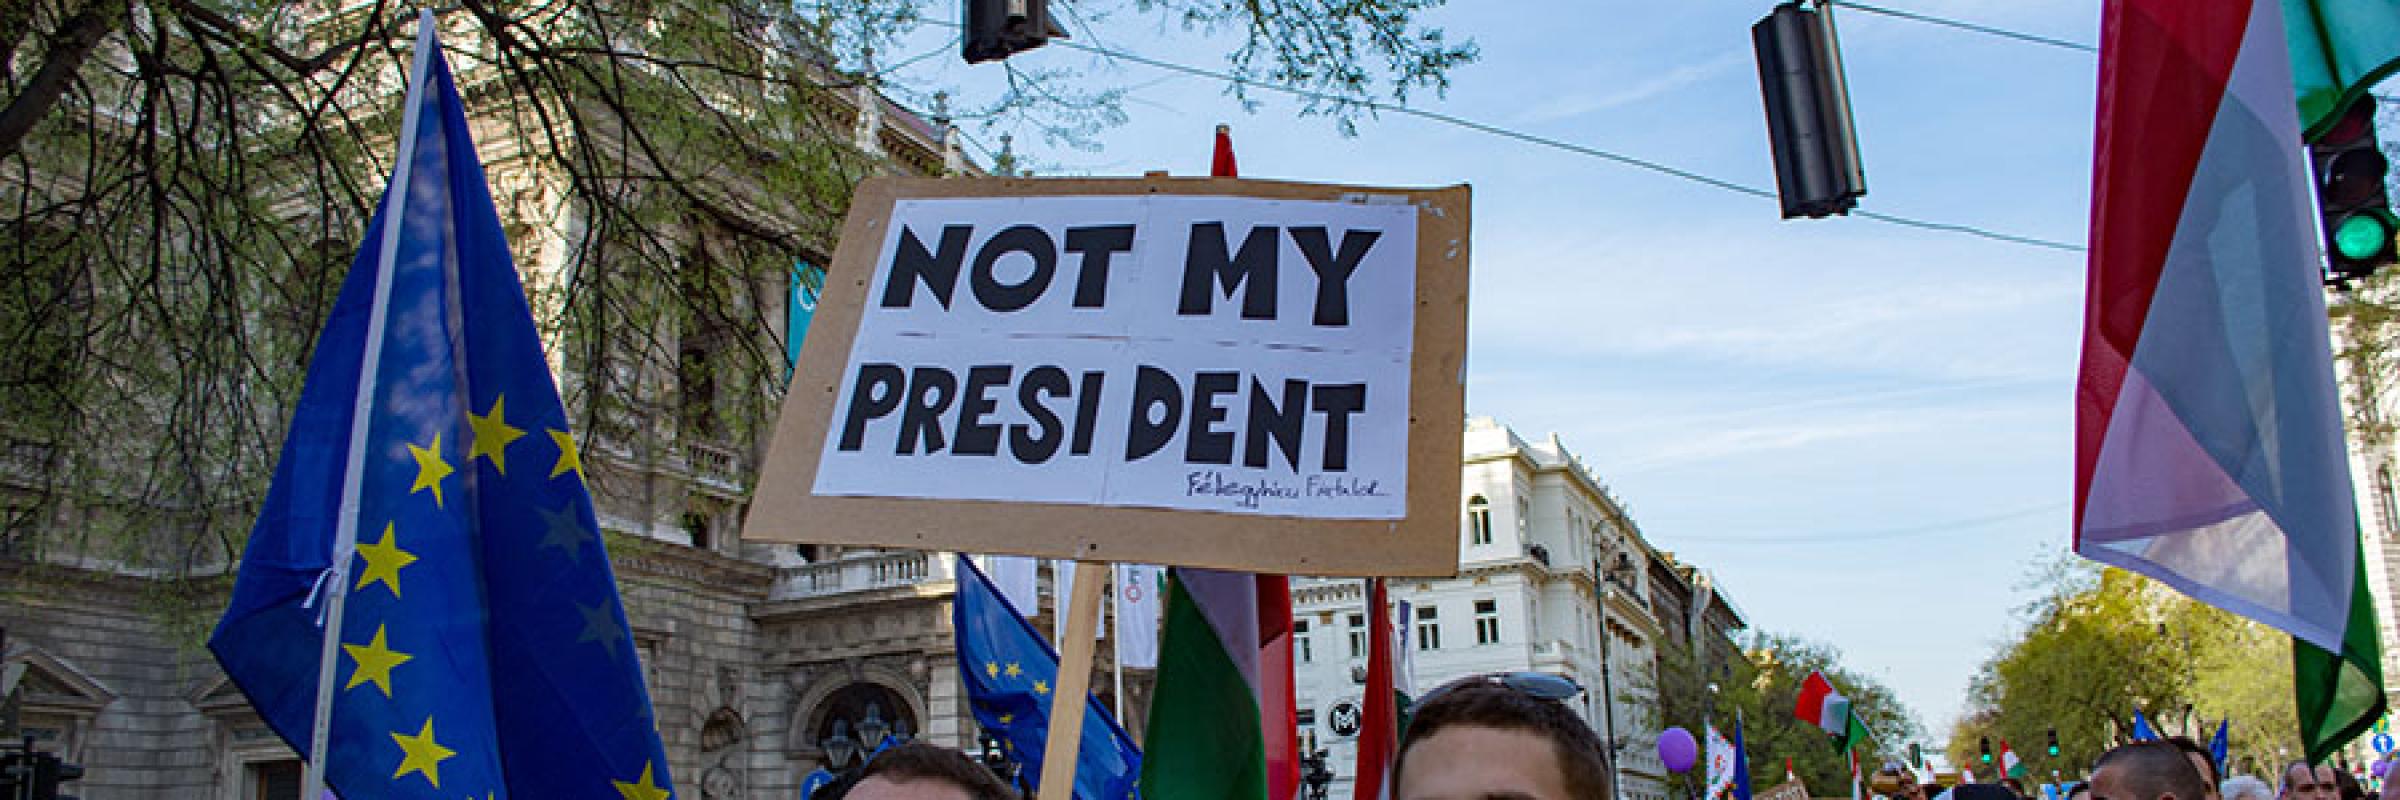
x,y
1864,429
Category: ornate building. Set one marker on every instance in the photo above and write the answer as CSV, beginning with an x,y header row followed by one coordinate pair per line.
x,y
1554,576
761,660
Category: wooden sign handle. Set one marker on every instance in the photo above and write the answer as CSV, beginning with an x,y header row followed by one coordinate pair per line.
x,y
1061,746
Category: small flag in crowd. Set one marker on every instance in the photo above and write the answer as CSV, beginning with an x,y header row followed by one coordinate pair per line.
x,y
1206,740
2142,732
1140,590
1379,732
2009,765
1009,674
429,488
1741,764
1721,760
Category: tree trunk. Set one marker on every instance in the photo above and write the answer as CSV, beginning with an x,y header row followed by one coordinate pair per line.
x,y
68,47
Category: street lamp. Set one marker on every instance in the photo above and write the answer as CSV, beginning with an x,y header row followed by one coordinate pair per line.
x,y
873,731
839,747
1608,695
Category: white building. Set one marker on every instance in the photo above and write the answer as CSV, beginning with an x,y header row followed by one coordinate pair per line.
x,y
1543,550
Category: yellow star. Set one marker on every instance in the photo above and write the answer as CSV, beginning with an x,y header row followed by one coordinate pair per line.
x,y
991,669
375,663
384,560
644,789
1040,687
568,458
1013,671
430,469
1007,718
492,435
421,755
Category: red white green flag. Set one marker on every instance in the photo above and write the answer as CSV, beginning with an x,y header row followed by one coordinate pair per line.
x,y
1206,739
2209,449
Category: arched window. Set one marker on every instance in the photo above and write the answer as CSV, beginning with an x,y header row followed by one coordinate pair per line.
x,y
1479,520
2387,507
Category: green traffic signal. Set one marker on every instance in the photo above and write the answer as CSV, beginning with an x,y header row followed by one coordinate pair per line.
x,y
2363,235
1987,758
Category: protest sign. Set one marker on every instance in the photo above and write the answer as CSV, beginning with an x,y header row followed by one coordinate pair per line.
x,y
1237,374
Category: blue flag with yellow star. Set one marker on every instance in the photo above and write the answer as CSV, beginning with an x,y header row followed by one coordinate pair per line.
x,y
483,651
1009,671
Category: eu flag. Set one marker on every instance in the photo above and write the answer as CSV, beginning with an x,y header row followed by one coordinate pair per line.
x,y
1009,671
482,648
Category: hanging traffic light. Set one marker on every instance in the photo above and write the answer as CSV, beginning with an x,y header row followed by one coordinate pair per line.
x,y
997,29
2053,742
1916,755
2350,169
1986,744
1817,170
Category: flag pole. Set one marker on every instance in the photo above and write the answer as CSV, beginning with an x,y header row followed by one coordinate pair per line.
x,y
1062,745
1116,660
334,582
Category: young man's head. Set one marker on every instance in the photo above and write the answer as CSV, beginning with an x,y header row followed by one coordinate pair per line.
x,y
2301,781
1506,736
2147,771
919,771
2201,760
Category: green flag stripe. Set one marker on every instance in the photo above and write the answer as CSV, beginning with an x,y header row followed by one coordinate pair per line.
x,y
1204,741
2340,695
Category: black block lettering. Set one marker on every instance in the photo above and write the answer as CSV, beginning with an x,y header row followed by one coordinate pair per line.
x,y
1205,443
1152,387
1097,246
1207,271
1087,413
1026,239
874,393
1024,442
930,390
1333,271
1338,403
972,436
938,271
1276,423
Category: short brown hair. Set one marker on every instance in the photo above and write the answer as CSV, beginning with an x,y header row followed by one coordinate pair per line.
x,y
1491,705
2154,769
918,761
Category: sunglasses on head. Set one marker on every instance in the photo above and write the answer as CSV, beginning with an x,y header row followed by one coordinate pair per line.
x,y
1538,685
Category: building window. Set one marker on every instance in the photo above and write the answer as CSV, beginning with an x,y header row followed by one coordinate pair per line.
x,y
1524,517
274,780
1487,622
1300,641
1358,636
1479,520
2387,507
1429,628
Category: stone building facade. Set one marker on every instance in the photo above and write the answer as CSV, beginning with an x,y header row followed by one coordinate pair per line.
x,y
752,653
1554,577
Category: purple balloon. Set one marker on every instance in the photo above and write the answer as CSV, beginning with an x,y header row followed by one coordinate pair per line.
x,y
2380,767
1675,746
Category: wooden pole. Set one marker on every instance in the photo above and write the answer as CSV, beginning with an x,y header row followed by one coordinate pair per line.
x,y
1061,745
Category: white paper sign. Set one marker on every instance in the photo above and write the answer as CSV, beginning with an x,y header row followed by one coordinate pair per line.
x,y
1225,354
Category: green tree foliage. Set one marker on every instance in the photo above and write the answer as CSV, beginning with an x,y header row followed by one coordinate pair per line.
x,y
2103,642
183,183
1761,688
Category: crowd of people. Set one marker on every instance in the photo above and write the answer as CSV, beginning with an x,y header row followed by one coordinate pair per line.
x,y
1512,736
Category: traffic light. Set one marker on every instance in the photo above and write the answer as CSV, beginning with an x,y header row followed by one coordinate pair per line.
x,y
2350,169
1916,755
997,29
1817,171
2053,742
1986,744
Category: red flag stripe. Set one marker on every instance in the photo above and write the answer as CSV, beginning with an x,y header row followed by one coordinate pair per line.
x,y
2163,69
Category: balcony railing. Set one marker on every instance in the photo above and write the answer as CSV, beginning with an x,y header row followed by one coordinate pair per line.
x,y
718,467
881,571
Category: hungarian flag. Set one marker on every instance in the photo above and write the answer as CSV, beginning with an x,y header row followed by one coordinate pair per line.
x,y
1208,737
1822,706
1379,733
2009,765
2209,451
